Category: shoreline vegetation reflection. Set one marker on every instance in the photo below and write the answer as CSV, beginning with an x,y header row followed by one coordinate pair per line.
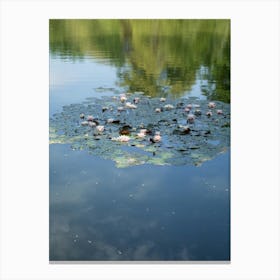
x,y
157,57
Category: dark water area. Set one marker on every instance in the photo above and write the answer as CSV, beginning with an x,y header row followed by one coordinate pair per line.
x,y
99,211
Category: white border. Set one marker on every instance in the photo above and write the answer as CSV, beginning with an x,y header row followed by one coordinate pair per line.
x,y
255,138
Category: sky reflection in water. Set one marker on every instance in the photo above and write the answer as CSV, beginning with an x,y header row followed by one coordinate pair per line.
x,y
99,212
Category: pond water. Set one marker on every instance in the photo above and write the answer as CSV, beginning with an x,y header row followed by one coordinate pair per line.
x,y
139,200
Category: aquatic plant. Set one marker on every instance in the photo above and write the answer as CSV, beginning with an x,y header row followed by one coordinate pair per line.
x,y
142,135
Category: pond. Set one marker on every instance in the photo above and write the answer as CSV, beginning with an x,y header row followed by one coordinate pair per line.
x,y
139,140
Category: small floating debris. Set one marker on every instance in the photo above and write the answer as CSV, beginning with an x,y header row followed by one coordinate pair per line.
x,y
89,241
125,130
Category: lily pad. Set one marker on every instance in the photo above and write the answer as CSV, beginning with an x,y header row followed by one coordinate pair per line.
x,y
177,145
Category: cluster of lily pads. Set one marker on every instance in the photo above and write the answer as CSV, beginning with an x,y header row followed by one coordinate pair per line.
x,y
134,129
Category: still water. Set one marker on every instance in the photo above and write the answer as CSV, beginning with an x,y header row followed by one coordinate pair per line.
x,y
99,211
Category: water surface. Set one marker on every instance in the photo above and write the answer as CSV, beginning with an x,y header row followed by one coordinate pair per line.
x,y
145,212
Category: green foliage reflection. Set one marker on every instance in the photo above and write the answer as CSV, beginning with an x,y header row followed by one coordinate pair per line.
x,y
152,55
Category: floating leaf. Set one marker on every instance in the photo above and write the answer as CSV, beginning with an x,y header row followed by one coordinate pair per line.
x,y
206,138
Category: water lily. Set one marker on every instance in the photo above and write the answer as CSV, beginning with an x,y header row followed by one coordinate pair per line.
x,y
123,97
190,118
92,124
90,118
219,112
110,120
157,110
120,109
121,138
130,105
142,133
162,99
82,116
211,105
209,114
168,106
100,128
157,137
85,123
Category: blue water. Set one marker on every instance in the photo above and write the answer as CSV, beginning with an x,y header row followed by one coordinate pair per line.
x,y
99,212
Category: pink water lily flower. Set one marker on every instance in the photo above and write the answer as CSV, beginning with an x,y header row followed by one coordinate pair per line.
x,y
100,128
157,137
211,105
190,118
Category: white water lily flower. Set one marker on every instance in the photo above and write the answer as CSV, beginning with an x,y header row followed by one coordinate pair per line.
x,y
110,120
142,133
120,109
168,106
100,128
121,138
130,105
92,124
162,99
123,97
84,123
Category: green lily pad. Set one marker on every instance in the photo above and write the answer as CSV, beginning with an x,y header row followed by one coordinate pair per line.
x,y
205,139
